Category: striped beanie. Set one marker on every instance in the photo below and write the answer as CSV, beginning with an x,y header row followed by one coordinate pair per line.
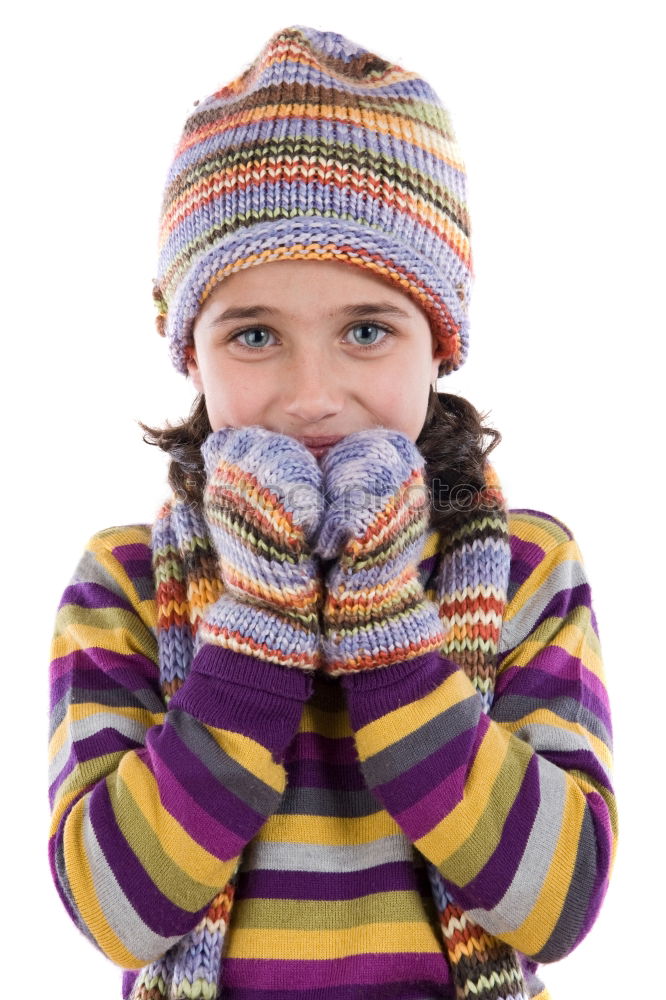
x,y
320,150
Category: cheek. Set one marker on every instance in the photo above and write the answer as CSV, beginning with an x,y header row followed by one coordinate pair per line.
x,y
233,399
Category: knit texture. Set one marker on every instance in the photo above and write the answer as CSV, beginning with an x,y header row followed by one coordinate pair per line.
x,y
262,504
376,515
480,553
514,808
319,150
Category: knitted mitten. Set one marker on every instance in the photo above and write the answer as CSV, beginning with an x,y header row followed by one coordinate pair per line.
x,y
375,519
262,504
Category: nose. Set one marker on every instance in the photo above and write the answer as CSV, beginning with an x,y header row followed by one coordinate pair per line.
x,y
311,390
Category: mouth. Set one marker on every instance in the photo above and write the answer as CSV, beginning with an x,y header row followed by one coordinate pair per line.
x,y
319,445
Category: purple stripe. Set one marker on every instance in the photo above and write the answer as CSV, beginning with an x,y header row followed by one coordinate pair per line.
x,y
91,686
224,824
130,976
554,673
578,760
525,557
409,787
157,912
136,559
262,700
420,818
374,693
122,665
92,596
546,517
293,127
603,840
67,770
106,741
426,567
133,672
314,746
361,970
297,193
564,602
395,876
385,991
316,774
557,662
494,879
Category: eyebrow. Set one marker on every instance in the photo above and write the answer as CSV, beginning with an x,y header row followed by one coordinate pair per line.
x,y
361,309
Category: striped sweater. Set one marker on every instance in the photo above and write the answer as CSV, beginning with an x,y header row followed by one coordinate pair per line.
x,y
333,791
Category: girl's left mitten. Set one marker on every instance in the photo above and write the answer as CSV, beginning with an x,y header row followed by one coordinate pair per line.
x,y
375,521
262,504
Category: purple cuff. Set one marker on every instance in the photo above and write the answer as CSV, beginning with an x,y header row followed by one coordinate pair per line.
x,y
229,690
373,693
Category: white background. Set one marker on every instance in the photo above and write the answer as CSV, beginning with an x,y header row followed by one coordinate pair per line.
x,y
559,111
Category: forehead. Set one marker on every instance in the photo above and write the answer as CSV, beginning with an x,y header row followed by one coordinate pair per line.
x,y
295,286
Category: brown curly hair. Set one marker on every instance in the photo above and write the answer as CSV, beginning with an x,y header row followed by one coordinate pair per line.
x,y
451,441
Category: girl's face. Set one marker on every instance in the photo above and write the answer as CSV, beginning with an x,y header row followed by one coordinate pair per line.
x,y
313,349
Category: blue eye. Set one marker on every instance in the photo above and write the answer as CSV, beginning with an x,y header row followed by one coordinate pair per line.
x,y
252,331
372,329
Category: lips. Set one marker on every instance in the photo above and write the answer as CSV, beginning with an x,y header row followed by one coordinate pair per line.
x,y
320,442
318,446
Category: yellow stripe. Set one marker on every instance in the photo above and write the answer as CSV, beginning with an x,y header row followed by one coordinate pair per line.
x,y
82,885
330,831
537,529
190,857
538,926
252,756
451,832
332,725
465,865
377,938
101,544
82,778
574,634
543,716
557,548
81,636
392,727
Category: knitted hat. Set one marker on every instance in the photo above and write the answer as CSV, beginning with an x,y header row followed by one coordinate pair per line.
x,y
320,150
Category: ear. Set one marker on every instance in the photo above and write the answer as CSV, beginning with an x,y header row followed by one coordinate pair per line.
x,y
193,368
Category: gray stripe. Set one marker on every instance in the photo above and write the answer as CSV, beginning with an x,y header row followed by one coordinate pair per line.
x,y
512,707
90,570
521,896
343,803
120,914
81,729
240,782
564,576
118,697
574,909
543,739
426,740
58,713
323,858
63,881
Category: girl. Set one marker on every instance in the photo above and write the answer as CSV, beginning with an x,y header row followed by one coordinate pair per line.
x,y
335,724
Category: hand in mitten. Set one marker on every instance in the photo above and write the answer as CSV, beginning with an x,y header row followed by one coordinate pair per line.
x,y
262,504
375,519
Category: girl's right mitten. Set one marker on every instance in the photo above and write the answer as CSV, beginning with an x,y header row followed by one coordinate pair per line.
x,y
262,504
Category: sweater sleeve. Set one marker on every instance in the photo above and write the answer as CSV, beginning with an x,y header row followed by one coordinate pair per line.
x,y
151,808
515,808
